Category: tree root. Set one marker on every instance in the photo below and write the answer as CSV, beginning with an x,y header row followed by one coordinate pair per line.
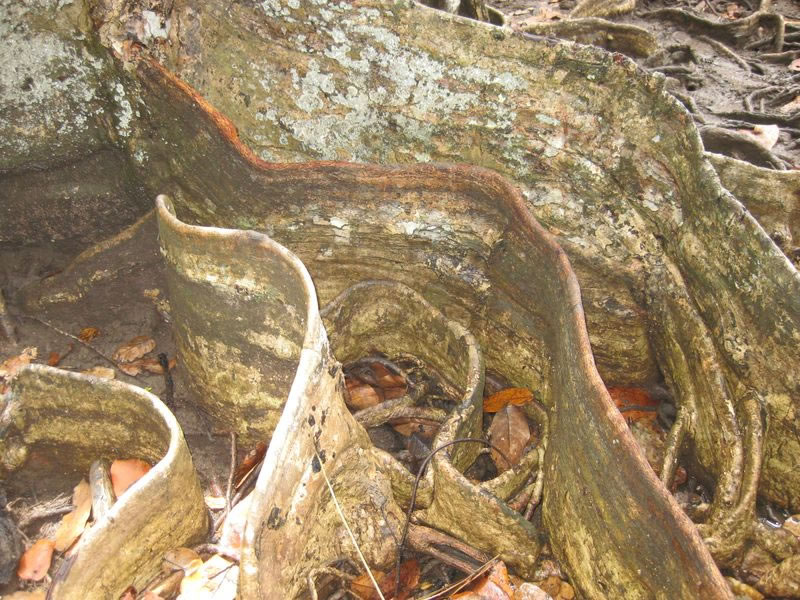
x,y
614,37
741,146
602,8
734,32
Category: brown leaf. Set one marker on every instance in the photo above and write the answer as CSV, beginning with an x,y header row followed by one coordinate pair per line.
x,y
128,594
87,334
255,456
34,564
361,395
362,585
424,428
494,586
501,399
625,398
134,348
510,433
53,359
12,365
131,369
73,524
124,473
181,558
393,385
102,372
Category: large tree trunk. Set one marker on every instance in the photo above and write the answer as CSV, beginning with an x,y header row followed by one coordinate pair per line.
x,y
677,278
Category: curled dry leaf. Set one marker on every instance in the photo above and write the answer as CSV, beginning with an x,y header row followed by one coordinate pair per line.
x,y
361,395
124,473
151,365
425,428
501,399
184,559
35,562
103,372
134,348
253,458
73,524
494,586
87,334
510,433
409,578
795,65
11,366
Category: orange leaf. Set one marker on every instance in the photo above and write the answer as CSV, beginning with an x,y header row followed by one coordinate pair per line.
x,y
362,586
73,524
129,593
34,564
134,348
53,359
255,456
501,399
124,473
361,395
495,586
87,334
623,397
425,428
510,433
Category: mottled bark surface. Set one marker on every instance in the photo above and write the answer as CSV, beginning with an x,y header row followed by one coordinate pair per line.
x,y
677,277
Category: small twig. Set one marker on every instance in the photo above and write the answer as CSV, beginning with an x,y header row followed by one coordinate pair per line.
x,y
460,584
230,475
77,339
215,549
346,526
420,472
723,49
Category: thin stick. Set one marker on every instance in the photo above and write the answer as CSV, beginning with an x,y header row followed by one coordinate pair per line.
x,y
723,49
230,475
458,585
347,527
77,339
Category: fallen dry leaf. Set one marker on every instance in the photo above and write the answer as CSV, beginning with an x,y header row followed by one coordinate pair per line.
x,y
362,585
510,433
501,399
102,372
494,586
795,65
73,524
124,473
361,395
733,11
393,385
409,578
11,366
424,428
529,591
87,334
134,348
53,359
253,458
128,594
35,562
184,559
635,404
